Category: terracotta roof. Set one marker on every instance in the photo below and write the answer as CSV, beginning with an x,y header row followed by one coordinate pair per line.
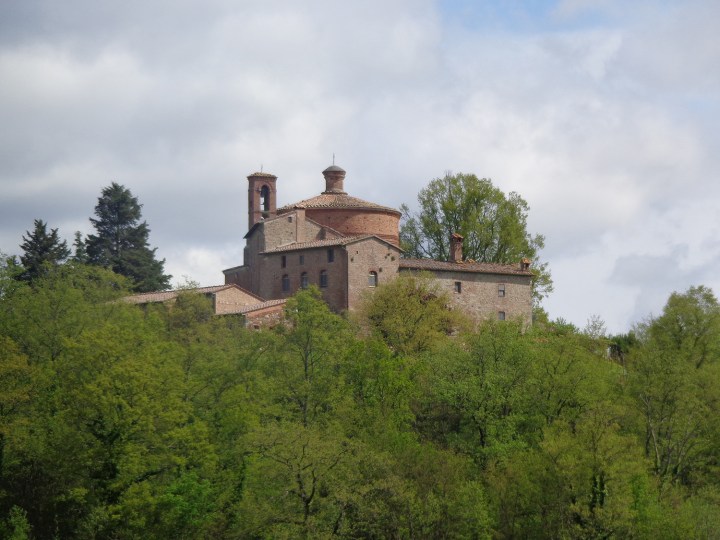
x,y
480,268
164,296
344,241
262,305
336,200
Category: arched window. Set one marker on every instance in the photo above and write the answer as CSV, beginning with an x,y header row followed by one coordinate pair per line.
x,y
304,280
372,279
285,283
323,278
265,199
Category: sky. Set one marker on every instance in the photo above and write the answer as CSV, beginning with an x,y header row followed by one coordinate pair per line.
x,y
603,115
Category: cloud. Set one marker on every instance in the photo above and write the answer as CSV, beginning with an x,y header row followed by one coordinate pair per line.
x,y
602,115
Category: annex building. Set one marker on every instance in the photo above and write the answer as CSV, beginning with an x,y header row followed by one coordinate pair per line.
x,y
345,246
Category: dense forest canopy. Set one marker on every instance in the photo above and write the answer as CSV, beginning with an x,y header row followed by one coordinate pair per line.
x,y
123,422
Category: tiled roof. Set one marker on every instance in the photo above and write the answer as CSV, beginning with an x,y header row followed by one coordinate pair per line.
x,y
266,175
262,305
480,268
336,200
344,241
164,296
317,243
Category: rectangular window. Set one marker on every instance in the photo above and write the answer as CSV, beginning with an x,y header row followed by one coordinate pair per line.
x,y
302,259
458,287
372,279
323,279
331,255
501,290
501,315
304,280
283,261
286,283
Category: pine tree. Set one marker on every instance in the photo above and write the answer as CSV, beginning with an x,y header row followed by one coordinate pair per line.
x,y
79,249
121,242
42,250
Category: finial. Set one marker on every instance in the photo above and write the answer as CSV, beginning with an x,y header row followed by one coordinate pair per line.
x,y
261,166
333,158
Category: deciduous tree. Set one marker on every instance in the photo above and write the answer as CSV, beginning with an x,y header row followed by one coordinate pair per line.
x,y
494,225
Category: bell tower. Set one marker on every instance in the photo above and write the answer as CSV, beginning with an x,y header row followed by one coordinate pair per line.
x,y
261,197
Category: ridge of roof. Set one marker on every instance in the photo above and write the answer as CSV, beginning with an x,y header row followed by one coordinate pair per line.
x,y
464,266
314,244
262,305
342,241
162,296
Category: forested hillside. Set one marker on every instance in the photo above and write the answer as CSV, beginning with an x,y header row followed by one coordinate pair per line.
x,y
403,422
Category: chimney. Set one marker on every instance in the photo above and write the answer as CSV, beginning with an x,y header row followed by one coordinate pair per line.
x,y
334,178
299,224
456,242
525,265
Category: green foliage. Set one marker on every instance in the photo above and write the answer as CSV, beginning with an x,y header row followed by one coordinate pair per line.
x,y
41,251
167,422
675,382
410,314
494,226
80,254
121,241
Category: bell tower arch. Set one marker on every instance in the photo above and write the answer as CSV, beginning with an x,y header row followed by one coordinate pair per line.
x,y
262,197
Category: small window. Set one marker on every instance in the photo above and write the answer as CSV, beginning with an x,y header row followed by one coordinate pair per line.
x,y
304,280
372,279
501,315
331,255
283,261
458,287
323,278
302,259
286,283
501,290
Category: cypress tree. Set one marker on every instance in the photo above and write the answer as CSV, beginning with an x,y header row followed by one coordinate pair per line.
x,y
121,240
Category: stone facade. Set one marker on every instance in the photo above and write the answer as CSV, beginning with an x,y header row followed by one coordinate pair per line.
x,y
499,294
226,299
347,246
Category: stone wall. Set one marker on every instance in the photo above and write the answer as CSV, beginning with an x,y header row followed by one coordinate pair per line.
x,y
358,222
230,300
265,318
479,294
314,261
365,256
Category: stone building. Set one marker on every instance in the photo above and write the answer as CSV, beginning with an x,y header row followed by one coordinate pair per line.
x,y
345,246
226,300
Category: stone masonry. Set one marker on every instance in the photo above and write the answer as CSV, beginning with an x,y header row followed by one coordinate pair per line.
x,y
346,246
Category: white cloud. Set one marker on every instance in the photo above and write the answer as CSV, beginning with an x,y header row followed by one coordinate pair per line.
x,y
605,121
